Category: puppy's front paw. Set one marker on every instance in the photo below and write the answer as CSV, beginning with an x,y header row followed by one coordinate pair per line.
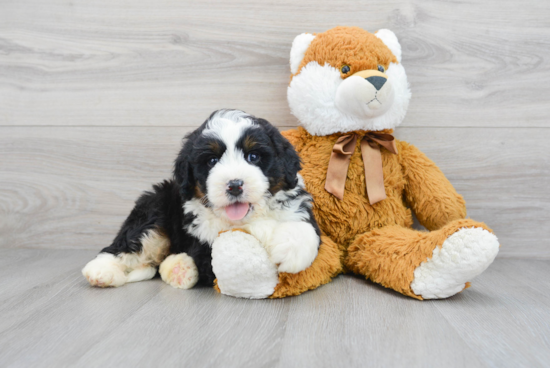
x,y
179,271
293,246
104,271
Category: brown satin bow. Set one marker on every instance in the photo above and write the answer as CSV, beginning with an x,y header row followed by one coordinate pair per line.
x,y
372,160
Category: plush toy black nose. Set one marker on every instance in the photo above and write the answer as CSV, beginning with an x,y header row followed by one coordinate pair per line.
x,y
235,187
377,82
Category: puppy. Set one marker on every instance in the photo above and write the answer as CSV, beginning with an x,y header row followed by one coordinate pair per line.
x,y
234,171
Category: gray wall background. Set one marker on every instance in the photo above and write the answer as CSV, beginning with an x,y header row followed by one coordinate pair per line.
x,y
95,97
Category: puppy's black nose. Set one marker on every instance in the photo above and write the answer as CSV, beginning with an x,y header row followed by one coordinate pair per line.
x,y
235,187
377,82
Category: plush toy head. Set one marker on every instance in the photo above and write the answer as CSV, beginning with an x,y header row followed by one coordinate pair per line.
x,y
347,79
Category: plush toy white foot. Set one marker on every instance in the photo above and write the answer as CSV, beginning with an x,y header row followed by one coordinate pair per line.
x,y
463,256
242,266
105,271
179,271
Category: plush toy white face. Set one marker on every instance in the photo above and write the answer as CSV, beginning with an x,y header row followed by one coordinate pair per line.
x,y
329,98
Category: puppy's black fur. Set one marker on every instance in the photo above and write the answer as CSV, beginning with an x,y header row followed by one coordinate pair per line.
x,y
162,208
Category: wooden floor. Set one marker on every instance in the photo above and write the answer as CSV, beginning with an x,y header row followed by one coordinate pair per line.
x,y
95,97
50,317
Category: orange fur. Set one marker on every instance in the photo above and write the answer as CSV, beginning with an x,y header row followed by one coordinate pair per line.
x,y
351,46
390,255
375,240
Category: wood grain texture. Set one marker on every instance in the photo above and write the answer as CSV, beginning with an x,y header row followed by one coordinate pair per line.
x,y
170,63
56,319
71,187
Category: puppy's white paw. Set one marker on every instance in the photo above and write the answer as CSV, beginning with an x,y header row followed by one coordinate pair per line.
x,y
463,256
179,271
105,271
293,246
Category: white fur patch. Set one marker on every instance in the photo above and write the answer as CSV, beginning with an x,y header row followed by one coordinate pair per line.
x,y
242,266
228,126
463,256
390,39
105,270
109,270
297,52
293,246
312,99
179,271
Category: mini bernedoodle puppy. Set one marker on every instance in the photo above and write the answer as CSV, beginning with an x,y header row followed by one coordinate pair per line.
x,y
234,171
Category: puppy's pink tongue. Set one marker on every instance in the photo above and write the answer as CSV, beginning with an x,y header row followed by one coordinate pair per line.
x,y
236,211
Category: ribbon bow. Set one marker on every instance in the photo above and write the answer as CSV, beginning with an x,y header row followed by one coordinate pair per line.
x,y
372,160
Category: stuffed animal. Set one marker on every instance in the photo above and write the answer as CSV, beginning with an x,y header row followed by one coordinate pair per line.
x,y
348,90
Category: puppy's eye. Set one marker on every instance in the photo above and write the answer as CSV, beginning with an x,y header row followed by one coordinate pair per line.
x,y
213,161
252,157
345,69
381,69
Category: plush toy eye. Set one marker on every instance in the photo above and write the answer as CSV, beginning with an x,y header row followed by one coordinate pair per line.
x,y
213,161
252,157
381,69
345,69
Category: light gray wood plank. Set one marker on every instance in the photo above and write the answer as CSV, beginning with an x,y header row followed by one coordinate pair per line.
x,y
354,323
25,269
197,328
503,320
56,322
505,315
171,63
72,187
30,285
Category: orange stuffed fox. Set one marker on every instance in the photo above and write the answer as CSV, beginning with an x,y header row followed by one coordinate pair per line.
x,y
349,90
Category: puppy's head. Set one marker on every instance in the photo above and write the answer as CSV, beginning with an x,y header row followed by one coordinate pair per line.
x,y
234,162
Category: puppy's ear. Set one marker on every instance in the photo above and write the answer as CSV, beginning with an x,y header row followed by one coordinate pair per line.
x,y
183,172
287,155
291,162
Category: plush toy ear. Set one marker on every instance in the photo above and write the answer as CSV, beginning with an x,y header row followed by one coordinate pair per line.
x,y
390,39
298,50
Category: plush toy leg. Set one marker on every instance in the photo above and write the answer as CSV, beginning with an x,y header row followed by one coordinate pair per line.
x,y
424,265
242,266
326,265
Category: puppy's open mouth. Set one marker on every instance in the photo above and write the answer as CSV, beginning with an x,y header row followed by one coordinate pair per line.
x,y
237,211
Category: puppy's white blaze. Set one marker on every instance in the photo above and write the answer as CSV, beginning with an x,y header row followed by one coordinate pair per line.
x,y
233,166
312,99
228,126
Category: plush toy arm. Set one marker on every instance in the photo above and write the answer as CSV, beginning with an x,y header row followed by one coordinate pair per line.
x,y
427,191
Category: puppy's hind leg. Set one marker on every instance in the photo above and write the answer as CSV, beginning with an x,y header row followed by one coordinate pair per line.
x,y
109,269
139,247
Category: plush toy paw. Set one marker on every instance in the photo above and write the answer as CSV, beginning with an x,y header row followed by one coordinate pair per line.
x,y
179,271
104,271
293,246
463,256
242,266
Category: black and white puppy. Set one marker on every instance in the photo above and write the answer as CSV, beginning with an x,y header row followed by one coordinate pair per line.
x,y
234,171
